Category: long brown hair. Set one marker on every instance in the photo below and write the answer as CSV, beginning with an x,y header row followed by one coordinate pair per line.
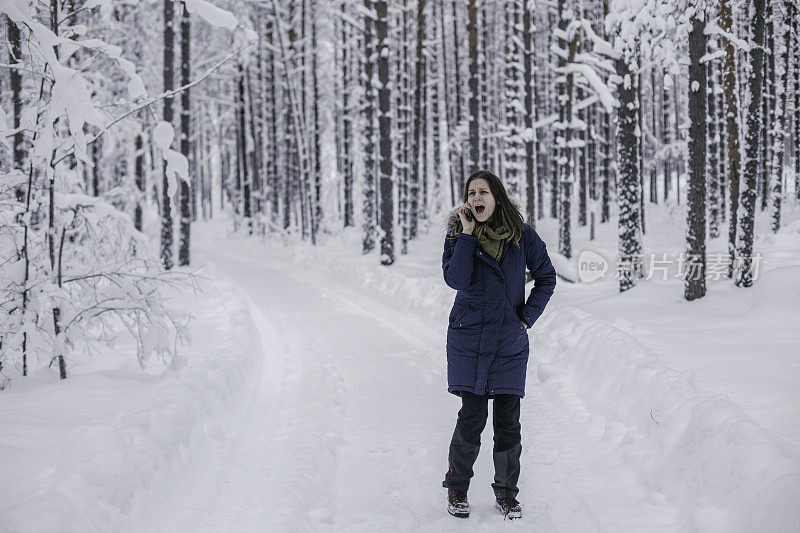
x,y
506,213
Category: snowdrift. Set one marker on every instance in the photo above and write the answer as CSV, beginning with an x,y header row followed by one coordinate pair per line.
x,y
695,447
86,447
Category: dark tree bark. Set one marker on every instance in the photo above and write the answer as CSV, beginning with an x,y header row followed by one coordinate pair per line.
x,y
138,169
591,152
782,122
253,148
531,114
418,153
401,124
796,76
731,92
15,81
514,154
457,169
719,119
96,150
274,114
665,135
608,145
580,161
641,147
628,184
695,280
474,95
317,195
368,107
436,72
385,127
678,137
653,136
485,120
712,178
166,208
744,248
565,166
347,121
241,150
768,106
186,207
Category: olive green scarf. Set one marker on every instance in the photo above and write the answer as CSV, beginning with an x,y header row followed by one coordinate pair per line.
x,y
492,241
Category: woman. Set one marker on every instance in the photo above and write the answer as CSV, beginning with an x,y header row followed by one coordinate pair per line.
x,y
484,259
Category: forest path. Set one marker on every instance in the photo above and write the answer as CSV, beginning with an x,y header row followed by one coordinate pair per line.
x,y
348,426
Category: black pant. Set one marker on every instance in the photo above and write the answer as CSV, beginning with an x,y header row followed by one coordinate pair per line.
x,y
466,442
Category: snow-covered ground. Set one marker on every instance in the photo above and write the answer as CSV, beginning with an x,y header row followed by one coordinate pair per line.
x,y
313,398
77,454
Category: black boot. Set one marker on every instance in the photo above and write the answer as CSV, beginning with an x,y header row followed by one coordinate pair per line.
x,y
509,507
457,504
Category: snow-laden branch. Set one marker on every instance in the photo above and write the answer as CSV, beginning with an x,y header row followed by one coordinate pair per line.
x,y
713,29
601,46
600,88
713,55
155,99
552,119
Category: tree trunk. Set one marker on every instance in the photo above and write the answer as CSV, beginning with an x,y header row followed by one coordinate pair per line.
x,y
781,124
186,208
166,208
796,76
138,169
347,122
455,141
731,92
744,249
317,195
768,105
385,127
437,76
474,96
531,137
418,155
712,178
247,211
15,80
695,280
628,185
566,168
368,107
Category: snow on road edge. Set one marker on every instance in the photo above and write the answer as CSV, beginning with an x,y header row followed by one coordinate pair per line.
x,y
696,448
138,426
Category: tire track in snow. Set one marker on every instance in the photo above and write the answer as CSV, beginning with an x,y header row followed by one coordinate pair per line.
x,y
574,465
349,427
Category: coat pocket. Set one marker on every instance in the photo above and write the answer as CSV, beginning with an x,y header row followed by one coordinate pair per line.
x,y
467,316
458,312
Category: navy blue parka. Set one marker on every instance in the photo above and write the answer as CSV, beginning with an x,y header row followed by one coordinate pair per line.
x,y
487,345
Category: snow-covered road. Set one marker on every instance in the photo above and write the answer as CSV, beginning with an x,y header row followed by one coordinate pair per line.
x,y
347,428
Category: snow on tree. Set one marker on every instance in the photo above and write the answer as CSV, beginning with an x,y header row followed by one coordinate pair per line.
x,y
386,184
695,274
747,202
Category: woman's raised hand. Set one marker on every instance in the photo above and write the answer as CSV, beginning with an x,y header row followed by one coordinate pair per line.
x,y
469,226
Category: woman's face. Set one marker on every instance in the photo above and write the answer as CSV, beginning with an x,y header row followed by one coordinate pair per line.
x,y
481,199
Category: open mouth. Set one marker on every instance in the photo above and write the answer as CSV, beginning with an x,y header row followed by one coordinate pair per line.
x,y
480,209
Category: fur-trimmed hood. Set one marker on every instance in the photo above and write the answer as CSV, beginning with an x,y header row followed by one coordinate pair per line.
x,y
451,217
